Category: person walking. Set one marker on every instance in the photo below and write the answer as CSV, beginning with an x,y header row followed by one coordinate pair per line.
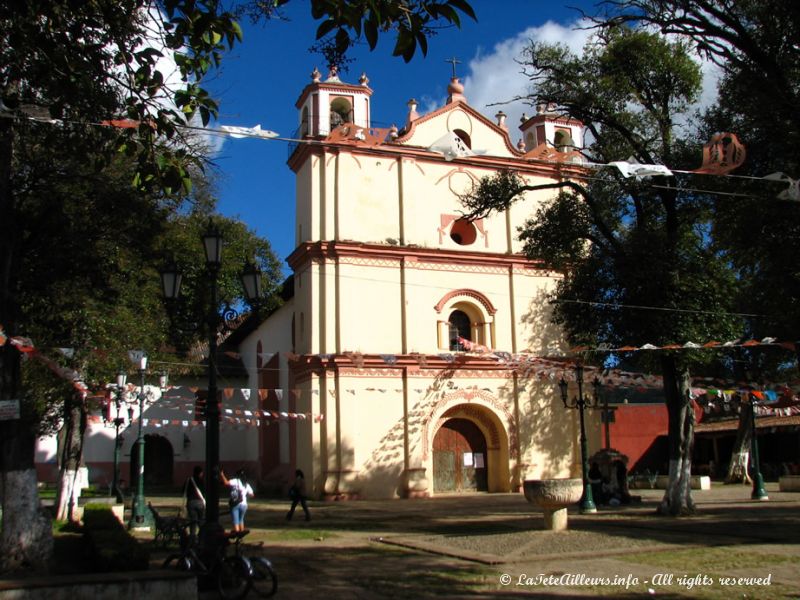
x,y
239,492
297,493
193,493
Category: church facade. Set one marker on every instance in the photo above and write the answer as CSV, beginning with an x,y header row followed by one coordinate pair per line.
x,y
404,333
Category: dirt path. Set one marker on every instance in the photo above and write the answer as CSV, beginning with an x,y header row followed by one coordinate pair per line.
x,y
494,546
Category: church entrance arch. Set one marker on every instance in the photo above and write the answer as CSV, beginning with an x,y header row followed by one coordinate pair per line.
x,y
158,461
459,457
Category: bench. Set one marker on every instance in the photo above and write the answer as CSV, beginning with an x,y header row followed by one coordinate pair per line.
x,y
168,530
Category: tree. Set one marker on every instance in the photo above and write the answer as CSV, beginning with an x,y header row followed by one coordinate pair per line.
x,y
638,263
755,44
84,64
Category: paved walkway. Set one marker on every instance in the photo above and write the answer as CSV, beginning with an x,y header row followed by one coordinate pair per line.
x,y
494,546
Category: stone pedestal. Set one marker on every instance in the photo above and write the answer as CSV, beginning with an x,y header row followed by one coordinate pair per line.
x,y
553,496
416,483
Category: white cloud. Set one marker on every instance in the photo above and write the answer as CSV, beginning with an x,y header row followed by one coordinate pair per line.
x,y
496,77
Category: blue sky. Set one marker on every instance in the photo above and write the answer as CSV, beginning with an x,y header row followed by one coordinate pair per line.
x,y
261,79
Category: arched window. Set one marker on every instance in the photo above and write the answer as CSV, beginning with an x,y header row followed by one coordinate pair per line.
x,y
304,123
460,327
464,137
530,141
563,140
341,112
466,314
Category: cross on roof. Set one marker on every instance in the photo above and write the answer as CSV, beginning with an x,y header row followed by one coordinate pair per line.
x,y
454,61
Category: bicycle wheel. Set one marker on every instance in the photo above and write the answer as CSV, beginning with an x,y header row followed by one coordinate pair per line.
x,y
234,577
265,581
178,561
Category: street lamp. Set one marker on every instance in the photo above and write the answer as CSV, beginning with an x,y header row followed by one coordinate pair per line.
x,y
118,421
759,493
582,402
171,286
140,516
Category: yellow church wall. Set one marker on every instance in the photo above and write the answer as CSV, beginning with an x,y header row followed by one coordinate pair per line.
x,y
367,447
367,195
369,308
364,304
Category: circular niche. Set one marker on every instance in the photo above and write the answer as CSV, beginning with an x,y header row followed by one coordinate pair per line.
x,y
463,232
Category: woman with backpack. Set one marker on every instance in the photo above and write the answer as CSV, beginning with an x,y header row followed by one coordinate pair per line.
x,y
239,490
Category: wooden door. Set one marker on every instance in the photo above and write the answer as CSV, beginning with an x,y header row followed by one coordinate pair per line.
x,y
459,457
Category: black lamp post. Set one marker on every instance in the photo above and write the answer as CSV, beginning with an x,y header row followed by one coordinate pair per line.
x,y
582,402
759,493
171,286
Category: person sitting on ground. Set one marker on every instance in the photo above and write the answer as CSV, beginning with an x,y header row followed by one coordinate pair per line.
x,y
596,481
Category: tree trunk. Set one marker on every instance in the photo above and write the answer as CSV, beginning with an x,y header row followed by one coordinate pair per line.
x,y
71,457
26,540
740,456
677,498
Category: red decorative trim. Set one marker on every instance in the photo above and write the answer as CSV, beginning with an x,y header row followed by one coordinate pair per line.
x,y
392,150
421,258
475,295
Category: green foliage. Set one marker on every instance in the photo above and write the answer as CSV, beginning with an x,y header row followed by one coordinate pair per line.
x,y
755,42
638,260
345,22
182,244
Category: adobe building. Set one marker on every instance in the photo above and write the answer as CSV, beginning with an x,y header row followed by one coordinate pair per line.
x,y
407,321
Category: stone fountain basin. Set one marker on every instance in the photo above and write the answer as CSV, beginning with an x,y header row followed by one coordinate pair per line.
x,y
553,493
553,496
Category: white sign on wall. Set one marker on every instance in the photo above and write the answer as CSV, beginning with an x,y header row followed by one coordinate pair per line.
x,y
9,410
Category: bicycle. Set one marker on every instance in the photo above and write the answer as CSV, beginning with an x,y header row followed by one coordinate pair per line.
x,y
264,580
233,574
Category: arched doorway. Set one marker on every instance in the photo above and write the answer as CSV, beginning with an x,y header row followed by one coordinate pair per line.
x,y
459,458
158,461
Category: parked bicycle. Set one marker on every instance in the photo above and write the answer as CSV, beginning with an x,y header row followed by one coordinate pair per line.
x,y
263,578
235,575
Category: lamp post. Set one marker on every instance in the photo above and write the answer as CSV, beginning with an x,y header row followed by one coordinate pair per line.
x,y
581,402
759,493
140,516
171,286
118,421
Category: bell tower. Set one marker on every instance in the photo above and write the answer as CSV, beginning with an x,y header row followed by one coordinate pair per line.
x,y
552,128
324,105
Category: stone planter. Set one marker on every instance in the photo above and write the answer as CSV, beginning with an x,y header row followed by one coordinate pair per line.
x,y
553,496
